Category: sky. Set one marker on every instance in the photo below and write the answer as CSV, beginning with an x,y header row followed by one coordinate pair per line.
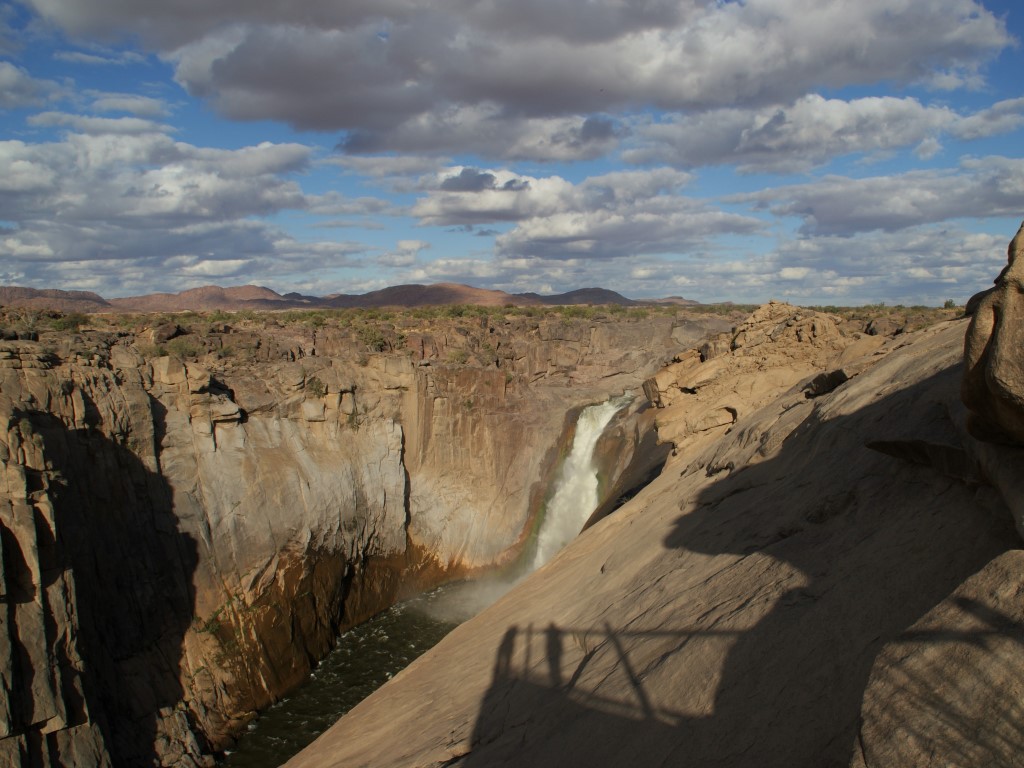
x,y
812,151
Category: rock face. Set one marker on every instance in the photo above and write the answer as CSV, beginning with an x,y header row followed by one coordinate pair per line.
x,y
993,387
824,574
734,374
181,539
993,381
949,689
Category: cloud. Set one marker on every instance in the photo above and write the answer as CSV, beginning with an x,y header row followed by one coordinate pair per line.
x,y
1002,117
97,126
465,196
405,255
486,129
127,197
101,58
539,80
384,166
19,89
11,41
811,131
921,265
618,214
336,204
926,264
668,225
134,104
470,180
279,260
838,205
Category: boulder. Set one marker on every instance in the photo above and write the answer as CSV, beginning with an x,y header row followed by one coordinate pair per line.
x,y
993,382
163,333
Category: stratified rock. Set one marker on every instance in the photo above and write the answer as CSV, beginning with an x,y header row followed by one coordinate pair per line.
x,y
773,350
993,385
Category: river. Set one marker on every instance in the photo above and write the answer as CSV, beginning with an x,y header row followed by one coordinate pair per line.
x,y
365,658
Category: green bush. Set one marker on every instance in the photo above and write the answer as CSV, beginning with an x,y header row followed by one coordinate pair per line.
x,y
373,337
149,351
71,321
183,347
315,387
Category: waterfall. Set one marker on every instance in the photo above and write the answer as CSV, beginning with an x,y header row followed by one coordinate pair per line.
x,y
572,502
575,496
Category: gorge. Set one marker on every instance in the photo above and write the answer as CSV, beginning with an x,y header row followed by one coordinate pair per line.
x,y
194,509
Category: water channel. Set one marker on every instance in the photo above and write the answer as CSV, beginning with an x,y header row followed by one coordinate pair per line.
x,y
364,659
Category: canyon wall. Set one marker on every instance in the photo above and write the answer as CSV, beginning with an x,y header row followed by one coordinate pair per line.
x,y
183,535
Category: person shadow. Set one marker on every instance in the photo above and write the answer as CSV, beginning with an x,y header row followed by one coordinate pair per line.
x,y
98,599
824,551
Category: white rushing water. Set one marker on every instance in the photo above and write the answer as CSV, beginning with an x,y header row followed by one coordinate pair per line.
x,y
575,497
572,502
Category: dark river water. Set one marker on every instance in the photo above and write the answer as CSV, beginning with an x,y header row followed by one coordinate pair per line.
x,y
364,659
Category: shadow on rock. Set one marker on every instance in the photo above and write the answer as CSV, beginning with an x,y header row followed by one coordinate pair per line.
x,y
113,540
823,554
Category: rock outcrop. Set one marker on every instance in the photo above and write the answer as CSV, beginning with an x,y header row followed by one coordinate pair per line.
x,y
824,574
779,347
993,386
183,535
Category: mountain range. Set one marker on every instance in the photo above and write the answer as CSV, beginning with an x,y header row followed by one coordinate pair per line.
x,y
254,297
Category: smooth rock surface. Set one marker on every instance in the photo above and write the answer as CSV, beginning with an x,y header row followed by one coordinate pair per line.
x,y
950,689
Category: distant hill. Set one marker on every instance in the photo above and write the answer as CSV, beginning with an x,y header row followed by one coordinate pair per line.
x,y
582,296
206,298
676,300
415,295
61,301
254,297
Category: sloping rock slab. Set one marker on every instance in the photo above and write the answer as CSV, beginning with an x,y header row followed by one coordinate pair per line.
x,y
950,690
